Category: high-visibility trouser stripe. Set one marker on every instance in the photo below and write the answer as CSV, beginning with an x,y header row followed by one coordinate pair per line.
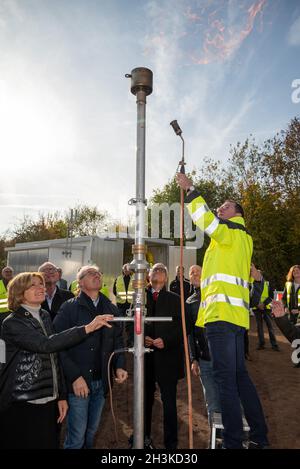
x,y
3,301
212,227
199,212
225,278
220,298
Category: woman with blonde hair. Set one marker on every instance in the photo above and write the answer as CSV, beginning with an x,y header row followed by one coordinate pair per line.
x,y
291,294
32,390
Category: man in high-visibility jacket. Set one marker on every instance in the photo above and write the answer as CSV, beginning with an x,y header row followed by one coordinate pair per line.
x,y
224,311
123,290
262,313
6,274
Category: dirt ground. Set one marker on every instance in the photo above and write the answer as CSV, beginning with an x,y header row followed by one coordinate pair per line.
x,y
277,382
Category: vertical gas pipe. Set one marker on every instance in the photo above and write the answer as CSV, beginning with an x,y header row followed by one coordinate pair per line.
x,y
141,86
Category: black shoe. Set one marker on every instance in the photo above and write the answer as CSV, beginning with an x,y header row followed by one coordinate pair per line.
x,y
254,445
276,348
148,443
261,347
130,442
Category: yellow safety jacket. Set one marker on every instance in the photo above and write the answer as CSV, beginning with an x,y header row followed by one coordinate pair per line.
x,y
74,287
226,266
3,298
265,294
288,287
122,296
75,290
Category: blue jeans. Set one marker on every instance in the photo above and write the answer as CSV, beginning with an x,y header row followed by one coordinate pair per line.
x,y
83,417
210,388
226,343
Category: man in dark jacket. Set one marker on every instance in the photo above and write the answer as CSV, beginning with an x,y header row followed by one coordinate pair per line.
x,y
198,346
55,296
175,284
164,365
85,366
61,282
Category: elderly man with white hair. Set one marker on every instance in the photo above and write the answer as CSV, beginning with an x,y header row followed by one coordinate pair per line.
x,y
164,365
85,365
55,296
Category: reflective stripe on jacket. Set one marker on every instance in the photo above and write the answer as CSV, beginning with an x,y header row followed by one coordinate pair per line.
x,y
226,266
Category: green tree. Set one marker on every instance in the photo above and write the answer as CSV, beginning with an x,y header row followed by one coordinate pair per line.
x,y
267,179
264,178
46,226
88,221
211,184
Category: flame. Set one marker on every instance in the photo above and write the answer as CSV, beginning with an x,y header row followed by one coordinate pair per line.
x,y
221,42
218,26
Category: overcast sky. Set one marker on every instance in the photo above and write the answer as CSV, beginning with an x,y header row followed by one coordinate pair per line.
x,y
222,68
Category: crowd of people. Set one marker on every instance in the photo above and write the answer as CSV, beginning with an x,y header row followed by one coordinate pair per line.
x,y
59,341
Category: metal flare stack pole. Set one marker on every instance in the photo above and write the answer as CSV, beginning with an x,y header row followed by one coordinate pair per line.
x,y
141,86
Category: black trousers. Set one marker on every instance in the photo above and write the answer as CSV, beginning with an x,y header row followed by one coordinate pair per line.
x,y
294,318
168,391
246,343
261,316
29,426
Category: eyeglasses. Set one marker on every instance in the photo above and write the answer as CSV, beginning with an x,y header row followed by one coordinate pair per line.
x,y
50,270
91,272
159,269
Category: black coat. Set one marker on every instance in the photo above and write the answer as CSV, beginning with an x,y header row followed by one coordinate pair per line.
x,y
289,330
94,352
59,298
169,361
198,344
31,376
175,287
